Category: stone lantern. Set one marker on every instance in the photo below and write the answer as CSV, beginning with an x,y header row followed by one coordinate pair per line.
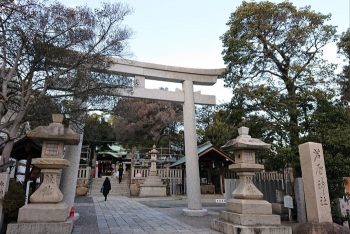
x,y
247,212
153,185
153,170
244,147
46,205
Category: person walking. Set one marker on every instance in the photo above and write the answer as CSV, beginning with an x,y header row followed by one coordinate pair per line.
x,y
120,170
106,187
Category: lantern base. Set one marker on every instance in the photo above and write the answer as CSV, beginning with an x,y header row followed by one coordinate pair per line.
x,y
34,228
44,212
243,206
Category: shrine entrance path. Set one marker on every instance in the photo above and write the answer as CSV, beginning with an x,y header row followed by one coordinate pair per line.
x,y
125,215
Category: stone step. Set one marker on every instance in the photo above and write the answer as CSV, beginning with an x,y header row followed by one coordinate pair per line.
x,y
112,194
100,180
112,187
109,195
112,184
114,179
111,191
123,182
97,186
117,189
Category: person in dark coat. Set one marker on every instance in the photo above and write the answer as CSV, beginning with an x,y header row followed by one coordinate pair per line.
x,y
106,187
120,170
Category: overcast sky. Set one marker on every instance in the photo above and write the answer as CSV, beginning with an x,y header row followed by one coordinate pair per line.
x,y
186,32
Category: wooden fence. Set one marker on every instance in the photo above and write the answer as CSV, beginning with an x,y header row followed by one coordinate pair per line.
x,y
84,175
267,182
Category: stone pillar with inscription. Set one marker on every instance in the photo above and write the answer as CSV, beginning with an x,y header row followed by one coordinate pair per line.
x,y
247,212
46,210
318,205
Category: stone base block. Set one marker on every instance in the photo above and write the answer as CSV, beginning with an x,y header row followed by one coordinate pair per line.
x,y
278,208
197,213
249,206
229,228
250,219
40,228
81,191
319,228
32,212
153,181
153,191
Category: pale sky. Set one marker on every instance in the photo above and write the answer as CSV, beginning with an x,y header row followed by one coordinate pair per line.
x,y
186,32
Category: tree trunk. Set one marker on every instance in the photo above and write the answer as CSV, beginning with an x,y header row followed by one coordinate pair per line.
x,y
3,108
12,134
6,152
293,115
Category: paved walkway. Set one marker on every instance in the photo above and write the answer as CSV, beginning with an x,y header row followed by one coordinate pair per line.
x,y
124,215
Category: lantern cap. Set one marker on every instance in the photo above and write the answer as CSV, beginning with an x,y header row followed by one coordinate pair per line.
x,y
55,132
245,141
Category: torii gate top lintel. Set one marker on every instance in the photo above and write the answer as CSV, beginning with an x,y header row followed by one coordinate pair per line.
x,y
167,73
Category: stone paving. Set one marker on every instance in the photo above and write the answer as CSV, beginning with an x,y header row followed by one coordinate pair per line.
x,y
123,215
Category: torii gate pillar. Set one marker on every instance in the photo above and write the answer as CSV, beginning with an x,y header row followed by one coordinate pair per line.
x,y
192,167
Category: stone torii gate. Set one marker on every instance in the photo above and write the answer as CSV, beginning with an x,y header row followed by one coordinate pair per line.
x,y
188,77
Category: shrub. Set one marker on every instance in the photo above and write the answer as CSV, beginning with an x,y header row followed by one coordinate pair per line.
x,y
13,200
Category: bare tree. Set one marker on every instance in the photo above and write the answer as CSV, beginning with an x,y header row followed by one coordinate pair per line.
x,y
50,49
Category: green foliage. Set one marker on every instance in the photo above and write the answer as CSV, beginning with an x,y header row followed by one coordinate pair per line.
x,y
344,46
329,125
337,167
273,54
41,110
284,91
277,159
98,131
213,126
13,200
